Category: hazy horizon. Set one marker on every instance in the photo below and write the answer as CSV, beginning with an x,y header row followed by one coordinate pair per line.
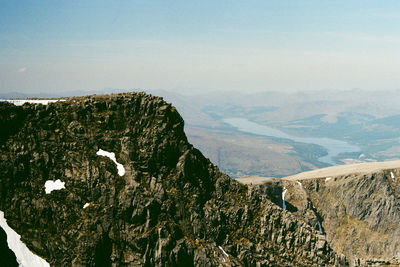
x,y
188,47
166,92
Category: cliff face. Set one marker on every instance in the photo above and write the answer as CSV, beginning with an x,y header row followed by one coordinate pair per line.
x,y
172,207
359,212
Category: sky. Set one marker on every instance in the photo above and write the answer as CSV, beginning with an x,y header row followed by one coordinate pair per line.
x,y
194,46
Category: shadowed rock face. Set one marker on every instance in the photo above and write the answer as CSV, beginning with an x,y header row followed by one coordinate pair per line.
x,y
172,207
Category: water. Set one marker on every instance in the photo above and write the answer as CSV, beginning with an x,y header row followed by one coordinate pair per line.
x,y
334,147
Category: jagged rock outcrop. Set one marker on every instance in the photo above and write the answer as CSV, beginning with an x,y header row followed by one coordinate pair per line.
x,y
358,212
172,207
361,214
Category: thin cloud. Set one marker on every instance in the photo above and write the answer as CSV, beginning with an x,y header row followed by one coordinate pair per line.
x,y
23,69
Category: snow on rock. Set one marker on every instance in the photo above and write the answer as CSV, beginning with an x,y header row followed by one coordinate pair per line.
x,y
327,179
111,155
86,205
20,102
53,185
25,257
392,175
283,198
224,254
320,227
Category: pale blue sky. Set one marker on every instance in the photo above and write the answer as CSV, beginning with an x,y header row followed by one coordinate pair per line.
x,y
187,46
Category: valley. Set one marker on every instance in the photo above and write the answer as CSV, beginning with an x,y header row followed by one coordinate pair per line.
x,y
347,127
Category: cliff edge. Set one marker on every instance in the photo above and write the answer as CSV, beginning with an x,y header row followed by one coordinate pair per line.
x,y
157,201
356,206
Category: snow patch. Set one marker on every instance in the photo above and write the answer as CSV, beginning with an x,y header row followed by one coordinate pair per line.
x,y
283,198
86,205
53,185
20,102
392,175
223,254
25,257
327,179
111,155
320,227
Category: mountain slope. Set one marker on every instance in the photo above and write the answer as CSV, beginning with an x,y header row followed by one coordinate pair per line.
x,y
171,206
356,206
360,213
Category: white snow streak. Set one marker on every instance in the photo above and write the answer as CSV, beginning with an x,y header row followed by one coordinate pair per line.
x,y
24,256
223,254
283,198
111,155
327,179
86,205
20,102
320,227
53,185
392,175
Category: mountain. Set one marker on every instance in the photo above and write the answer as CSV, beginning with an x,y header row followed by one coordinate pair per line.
x,y
111,180
356,206
356,117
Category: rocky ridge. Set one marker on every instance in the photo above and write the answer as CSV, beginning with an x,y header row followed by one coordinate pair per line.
x,y
359,212
172,207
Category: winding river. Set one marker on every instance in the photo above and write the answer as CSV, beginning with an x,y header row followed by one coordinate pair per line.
x,y
334,147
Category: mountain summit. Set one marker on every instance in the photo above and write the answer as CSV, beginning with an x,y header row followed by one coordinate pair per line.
x,y
111,180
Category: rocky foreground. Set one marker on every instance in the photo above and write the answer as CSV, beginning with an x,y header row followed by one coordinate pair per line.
x,y
170,206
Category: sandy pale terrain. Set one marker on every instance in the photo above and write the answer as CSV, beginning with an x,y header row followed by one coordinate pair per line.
x,y
368,167
346,169
254,179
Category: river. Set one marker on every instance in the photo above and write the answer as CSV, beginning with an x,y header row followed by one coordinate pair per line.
x,y
333,147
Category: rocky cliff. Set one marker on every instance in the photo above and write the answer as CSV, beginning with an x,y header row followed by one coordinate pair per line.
x,y
171,207
359,212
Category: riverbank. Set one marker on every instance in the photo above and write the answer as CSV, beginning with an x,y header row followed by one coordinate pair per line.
x,y
334,147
